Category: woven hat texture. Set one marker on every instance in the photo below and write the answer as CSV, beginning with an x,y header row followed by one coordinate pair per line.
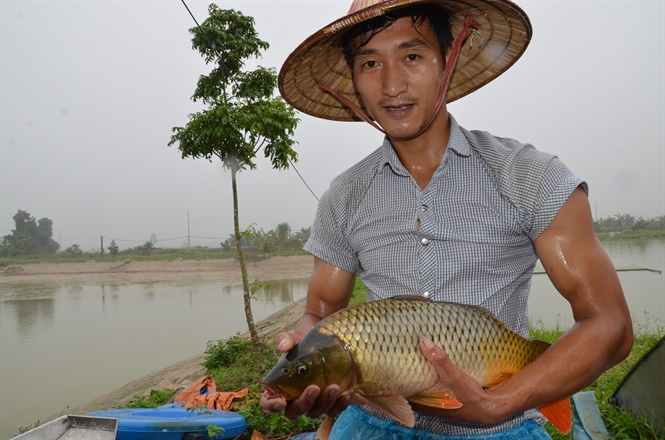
x,y
502,36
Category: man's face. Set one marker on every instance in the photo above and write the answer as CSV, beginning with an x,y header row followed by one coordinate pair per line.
x,y
397,74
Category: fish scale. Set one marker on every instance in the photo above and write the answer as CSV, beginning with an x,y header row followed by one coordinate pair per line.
x,y
388,334
372,351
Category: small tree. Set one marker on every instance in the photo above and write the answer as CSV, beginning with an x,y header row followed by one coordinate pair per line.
x,y
145,248
283,234
242,115
74,251
113,248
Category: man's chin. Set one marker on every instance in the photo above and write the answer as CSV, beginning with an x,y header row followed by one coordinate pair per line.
x,y
402,133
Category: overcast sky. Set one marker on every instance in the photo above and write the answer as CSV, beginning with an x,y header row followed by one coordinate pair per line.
x,y
91,91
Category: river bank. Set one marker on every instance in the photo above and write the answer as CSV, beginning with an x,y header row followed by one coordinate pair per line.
x,y
226,270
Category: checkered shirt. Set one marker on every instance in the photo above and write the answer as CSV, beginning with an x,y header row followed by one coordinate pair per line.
x,y
467,237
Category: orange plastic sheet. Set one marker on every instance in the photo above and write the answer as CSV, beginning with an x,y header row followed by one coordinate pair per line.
x,y
203,393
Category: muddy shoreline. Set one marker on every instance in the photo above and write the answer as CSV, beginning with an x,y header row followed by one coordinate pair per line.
x,y
226,270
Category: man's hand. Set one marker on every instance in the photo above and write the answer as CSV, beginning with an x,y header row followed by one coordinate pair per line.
x,y
312,401
329,291
478,404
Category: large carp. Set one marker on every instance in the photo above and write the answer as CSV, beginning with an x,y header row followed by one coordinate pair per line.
x,y
372,351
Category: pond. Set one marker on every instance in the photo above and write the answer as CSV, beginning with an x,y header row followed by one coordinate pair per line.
x,y
62,345
640,264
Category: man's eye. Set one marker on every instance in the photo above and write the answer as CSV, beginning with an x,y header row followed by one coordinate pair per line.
x,y
412,57
369,64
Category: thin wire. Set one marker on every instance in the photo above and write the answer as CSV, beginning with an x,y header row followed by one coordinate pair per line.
x,y
251,106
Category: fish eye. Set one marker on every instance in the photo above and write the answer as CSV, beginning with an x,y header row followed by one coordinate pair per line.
x,y
300,368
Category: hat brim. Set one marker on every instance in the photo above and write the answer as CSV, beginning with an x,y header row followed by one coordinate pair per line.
x,y
502,37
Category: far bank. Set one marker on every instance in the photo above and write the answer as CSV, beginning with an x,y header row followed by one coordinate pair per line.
x,y
226,270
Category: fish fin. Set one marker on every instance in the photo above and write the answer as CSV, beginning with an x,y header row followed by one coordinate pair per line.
x,y
394,406
355,400
501,377
325,429
559,413
438,396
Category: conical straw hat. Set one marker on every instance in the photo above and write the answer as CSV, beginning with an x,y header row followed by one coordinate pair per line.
x,y
502,36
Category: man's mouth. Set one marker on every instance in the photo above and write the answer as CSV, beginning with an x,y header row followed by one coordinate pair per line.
x,y
398,107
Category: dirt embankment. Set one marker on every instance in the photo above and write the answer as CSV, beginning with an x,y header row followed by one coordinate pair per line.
x,y
191,271
225,270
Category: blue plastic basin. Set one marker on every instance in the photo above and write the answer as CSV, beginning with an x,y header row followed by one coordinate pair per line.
x,y
172,422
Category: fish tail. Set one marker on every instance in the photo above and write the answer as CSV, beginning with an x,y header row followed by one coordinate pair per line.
x,y
559,413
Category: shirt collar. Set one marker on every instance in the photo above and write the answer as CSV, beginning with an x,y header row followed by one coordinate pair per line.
x,y
457,142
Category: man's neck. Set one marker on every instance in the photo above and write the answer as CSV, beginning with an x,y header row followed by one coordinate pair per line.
x,y
422,155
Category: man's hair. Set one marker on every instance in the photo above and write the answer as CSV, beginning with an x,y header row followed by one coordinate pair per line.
x,y
436,17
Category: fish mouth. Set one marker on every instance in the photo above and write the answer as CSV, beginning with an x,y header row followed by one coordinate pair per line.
x,y
274,390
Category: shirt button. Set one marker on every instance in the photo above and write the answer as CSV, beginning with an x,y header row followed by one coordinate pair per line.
x,y
423,208
424,242
426,294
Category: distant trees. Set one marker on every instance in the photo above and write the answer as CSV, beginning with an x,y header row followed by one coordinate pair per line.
x,y
279,239
145,248
74,251
628,221
31,237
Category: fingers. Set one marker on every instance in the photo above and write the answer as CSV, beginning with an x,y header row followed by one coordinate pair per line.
x,y
313,402
271,404
448,372
287,340
303,404
328,402
340,405
284,342
432,352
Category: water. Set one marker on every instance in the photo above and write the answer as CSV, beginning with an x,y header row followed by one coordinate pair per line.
x,y
64,345
644,290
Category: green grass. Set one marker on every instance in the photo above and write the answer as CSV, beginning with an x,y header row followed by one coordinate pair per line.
x,y
153,400
620,424
236,363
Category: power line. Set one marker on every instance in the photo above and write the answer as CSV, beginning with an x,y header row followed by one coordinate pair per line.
x,y
251,105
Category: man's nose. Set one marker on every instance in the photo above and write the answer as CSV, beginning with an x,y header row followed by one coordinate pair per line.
x,y
394,80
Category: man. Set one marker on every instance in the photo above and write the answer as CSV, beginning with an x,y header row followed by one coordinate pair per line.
x,y
446,213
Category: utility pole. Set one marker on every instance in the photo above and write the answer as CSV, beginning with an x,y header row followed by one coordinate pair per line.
x,y
188,238
101,249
